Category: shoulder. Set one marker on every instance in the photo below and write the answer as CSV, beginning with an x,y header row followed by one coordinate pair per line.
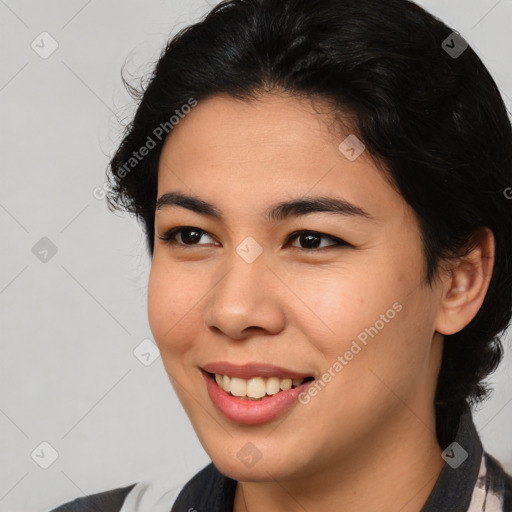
x,y
160,494
107,501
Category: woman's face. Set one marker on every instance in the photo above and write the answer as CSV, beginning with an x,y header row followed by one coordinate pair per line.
x,y
345,305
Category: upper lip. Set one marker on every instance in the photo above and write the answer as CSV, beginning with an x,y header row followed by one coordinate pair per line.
x,y
249,370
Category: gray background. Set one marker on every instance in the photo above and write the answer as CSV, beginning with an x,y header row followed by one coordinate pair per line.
x,y
70,324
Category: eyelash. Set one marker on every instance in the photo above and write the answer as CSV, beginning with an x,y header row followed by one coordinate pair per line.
x,y
167,238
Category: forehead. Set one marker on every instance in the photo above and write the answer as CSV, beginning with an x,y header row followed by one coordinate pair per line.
x,y
268,125
278,146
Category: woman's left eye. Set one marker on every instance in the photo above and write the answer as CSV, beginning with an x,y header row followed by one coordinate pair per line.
x,y
312,239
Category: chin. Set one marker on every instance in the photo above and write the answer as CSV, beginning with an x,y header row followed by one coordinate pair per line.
x,y
250,464
259,472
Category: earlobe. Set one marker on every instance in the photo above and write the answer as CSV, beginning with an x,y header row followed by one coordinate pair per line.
x,y
466,284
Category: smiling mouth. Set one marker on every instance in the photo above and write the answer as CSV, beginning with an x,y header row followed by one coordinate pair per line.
x,y
255,388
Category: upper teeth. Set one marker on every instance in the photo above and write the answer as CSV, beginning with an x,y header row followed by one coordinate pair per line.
x,y
255,387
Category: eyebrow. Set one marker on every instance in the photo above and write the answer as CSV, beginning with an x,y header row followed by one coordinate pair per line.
x,y
276,212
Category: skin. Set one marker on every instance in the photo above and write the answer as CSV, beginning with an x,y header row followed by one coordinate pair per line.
x,y
367,441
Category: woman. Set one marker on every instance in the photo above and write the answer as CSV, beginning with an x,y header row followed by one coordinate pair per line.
x,y
325,190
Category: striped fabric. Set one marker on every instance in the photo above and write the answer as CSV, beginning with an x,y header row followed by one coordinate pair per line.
x,y
493,488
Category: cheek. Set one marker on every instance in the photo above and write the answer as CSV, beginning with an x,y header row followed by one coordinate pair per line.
x,y
373,317
172,307
335,308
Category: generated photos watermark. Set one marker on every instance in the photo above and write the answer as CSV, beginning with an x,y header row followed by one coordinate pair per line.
x,y
156,136
342,360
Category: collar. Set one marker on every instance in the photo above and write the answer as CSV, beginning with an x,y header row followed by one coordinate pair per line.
x,y
454,486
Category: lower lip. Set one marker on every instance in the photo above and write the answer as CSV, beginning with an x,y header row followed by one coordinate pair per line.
x,y
250,412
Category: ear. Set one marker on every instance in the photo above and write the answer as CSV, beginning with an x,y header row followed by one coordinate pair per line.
x,y
466,284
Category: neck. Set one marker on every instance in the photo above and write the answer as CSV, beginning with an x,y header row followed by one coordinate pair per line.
x,y
395,470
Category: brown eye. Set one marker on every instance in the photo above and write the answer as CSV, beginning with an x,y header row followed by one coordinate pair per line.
x,y
313,240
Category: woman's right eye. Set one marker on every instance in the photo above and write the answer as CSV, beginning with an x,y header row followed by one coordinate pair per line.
x,y
189,236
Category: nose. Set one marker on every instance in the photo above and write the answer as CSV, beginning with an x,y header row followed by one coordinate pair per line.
x,y
247,300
